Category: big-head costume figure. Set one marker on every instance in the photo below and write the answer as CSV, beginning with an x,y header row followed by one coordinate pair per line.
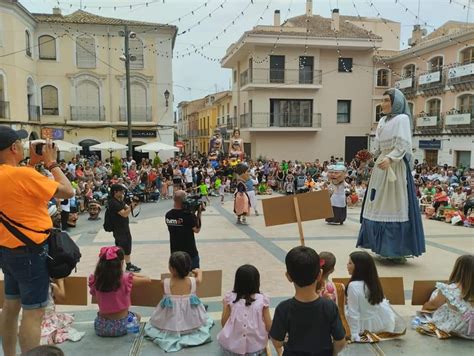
x,y
216,148
337,188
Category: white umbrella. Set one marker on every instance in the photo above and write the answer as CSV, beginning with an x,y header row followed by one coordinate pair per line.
x,y
156,147
64,146
108,146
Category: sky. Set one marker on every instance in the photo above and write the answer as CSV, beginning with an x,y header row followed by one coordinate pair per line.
x,y
195,76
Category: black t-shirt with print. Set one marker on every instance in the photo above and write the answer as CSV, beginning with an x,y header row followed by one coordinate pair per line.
x,y
310,327
180,226
119,222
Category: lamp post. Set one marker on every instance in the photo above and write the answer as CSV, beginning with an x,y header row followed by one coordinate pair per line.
x,y
167,96
127,59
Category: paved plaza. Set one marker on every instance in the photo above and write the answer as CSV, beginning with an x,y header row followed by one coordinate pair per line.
x,y
224,245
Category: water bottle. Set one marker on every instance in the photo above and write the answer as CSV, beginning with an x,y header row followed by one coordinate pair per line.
x,y
133,327
415,322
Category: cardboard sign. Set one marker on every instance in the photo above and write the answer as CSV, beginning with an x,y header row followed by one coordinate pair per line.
x,y
392,288
211,285
312,206
422,291
76,291
146,295
297,208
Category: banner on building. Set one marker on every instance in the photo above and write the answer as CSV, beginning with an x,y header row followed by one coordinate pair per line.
x,y
429,78
427,121
458,119
429,144
53,134
137,133
461,71
404,83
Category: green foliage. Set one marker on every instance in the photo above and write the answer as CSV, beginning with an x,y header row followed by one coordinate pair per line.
x,y
116,167
156,161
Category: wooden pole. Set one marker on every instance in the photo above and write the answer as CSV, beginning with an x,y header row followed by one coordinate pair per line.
x,y
298,219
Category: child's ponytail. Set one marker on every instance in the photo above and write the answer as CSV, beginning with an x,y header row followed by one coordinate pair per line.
x,y
109,269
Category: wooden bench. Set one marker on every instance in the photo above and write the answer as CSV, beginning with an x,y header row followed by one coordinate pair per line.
x,y
392,288
422,291
76,291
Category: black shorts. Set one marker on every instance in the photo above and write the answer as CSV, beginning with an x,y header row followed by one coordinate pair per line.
x,y
123,239
189,185
177,181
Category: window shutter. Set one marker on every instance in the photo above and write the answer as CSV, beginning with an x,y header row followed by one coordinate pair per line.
x,y
85,52
49,100
47,47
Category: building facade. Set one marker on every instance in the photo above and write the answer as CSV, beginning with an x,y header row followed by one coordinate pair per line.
x,y
62,76
304,89
437,76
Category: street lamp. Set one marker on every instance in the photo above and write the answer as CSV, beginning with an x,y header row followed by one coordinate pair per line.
x,y
167,96
127,58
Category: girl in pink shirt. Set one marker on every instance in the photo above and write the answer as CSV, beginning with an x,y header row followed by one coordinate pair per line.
x,y
246,318
112,289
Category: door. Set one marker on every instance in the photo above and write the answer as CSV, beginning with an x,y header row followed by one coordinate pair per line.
x,y
431,157
353,145
463,158
138,100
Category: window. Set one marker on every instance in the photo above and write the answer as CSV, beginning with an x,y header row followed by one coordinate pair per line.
x,y
412,108
85,52
409,71
466,103
277,69
378,113
47,47
291,113
343,111
140,109
235,76
88,99
250,69
345,65
49,100
467,56
136,50
306,67
27,43
435,64
382,78
433,107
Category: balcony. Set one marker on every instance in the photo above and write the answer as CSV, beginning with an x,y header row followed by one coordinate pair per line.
x,y
280,122
407,86
281,78
428,124
87,113
139,113
231,123
461,78
34,113
204,132
432,83
4,110
49,111
461,123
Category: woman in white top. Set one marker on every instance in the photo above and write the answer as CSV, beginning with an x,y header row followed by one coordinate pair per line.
x,y
366,309
391,219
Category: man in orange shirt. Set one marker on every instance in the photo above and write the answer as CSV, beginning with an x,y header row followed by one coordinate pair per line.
x,y
24,197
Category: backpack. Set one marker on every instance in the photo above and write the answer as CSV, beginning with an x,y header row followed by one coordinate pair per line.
x,y
108,222
63,254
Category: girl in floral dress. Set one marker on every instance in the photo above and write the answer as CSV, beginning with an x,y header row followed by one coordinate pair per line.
x,y
453,302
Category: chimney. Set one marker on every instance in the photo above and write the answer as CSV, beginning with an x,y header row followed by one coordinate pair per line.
x,y
57,11
276,18
335,20
309,7
416,35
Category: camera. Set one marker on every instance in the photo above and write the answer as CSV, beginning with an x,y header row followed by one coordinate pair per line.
x,y
129,198
39,147
193,203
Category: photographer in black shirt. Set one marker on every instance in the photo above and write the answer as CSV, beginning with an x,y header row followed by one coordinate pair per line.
x,y
182,225
118,212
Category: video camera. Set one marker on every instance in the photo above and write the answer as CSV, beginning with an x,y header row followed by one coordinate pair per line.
x,y
130,198
193,203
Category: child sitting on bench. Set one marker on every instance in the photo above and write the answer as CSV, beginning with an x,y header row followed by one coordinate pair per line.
x,y
180,319
112,289
367,309
325,287
452,303
246,312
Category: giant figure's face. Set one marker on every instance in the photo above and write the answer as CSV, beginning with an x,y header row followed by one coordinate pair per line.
x,y
336,177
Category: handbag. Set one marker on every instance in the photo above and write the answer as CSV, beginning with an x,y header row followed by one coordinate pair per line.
x,y
62,253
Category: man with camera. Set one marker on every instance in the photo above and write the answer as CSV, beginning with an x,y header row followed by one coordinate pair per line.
x,y
182,225
119,211
24,196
